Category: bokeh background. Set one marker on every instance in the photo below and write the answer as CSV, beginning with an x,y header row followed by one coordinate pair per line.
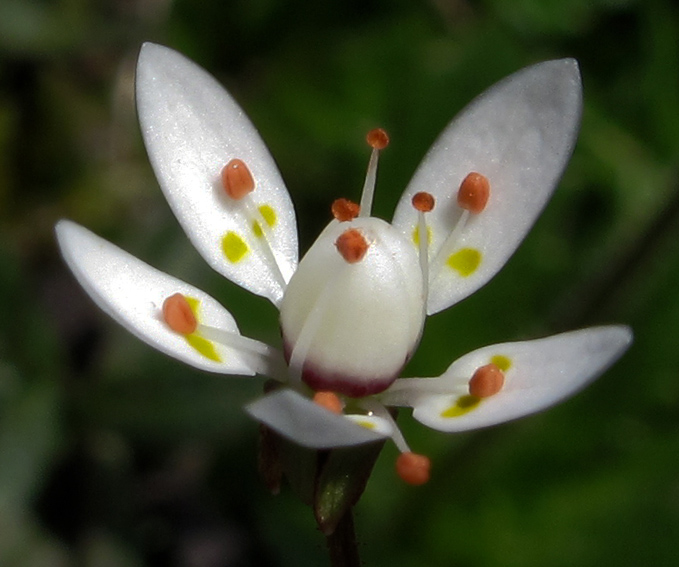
x,y
112,455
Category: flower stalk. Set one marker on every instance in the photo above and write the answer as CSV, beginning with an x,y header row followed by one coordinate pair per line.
x,y
342,543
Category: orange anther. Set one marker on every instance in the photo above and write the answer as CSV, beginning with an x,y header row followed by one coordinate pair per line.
x,y
423,201
486,381
351,245
237,179
377,139
413,468
328,400
474,192
178,314
344,210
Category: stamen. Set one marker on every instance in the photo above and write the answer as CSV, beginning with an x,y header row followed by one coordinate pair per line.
x,y
423,201
413,468
178,315
329,400
377,408
352,245
344,210
474,193
237,179
266,360
262,228
486,381
378,140
238,183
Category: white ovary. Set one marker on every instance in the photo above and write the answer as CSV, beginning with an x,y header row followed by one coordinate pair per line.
x,y
351,327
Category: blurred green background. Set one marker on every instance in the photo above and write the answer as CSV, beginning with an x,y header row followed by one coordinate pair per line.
x,y
112,455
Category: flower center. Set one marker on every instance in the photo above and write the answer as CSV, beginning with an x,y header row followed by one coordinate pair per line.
x,y
353,311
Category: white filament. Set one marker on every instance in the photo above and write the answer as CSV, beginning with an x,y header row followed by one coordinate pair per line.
x,y
369,185
265,359
254,215
375,407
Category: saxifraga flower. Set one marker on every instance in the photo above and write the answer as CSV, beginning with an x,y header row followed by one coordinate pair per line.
x,y
352,312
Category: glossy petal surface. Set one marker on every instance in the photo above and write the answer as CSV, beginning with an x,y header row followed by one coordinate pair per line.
x,y
519,134
192,128
133,293
538,374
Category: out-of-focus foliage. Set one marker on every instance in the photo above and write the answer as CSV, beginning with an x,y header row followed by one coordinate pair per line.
x,y
112,455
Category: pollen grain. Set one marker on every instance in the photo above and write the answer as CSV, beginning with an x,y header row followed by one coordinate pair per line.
x,y
377,138
486,381
178,315
344,209
328,400
352,245
423,201
474,193
237,179
413,468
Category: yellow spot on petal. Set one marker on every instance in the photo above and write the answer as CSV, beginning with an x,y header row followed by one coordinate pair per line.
x,y
234,247
200,344
465,261
463,405
416,236
269,215
203,346
366,424
194,304
502,362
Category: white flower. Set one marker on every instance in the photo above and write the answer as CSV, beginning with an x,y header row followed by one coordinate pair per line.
x,y
352,312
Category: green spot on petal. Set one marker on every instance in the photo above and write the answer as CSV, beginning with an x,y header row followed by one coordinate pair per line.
x,y
464,404
203,346
234,247
502,362
269,215
465,261
366,424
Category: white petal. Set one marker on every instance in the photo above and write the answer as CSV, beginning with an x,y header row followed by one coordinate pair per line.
x,y
372,422
192,128
308,424
519,134
540,373
133,293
